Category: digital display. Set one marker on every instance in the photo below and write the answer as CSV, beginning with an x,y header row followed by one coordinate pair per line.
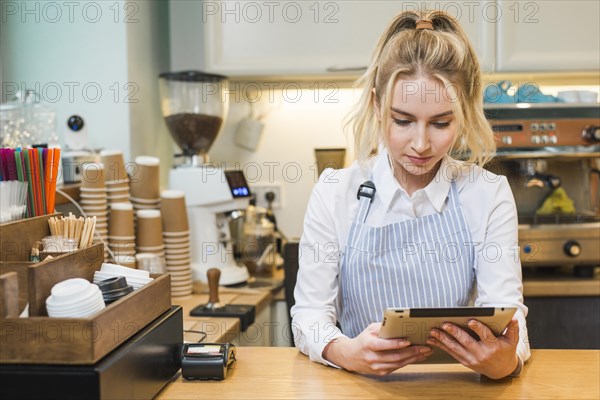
x,y
507,128
237,183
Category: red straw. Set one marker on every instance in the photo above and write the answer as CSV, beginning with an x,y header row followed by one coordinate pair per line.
x,y
33,158
53,178
47,176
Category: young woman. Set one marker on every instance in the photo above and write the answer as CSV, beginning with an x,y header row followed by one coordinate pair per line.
x,y
428,230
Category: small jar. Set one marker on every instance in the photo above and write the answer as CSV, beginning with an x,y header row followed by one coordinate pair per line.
x,y
53,244
69,245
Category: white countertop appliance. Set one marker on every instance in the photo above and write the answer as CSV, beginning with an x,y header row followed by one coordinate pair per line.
x,y
194,105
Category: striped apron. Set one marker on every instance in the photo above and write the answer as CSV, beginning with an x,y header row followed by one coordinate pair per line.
x,y
422,262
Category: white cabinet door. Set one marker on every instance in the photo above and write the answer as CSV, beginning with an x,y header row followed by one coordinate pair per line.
x,y
545,35
312,37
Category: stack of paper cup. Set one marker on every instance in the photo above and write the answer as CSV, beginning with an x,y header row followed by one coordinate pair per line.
x,y
93,199
126,260
115,176
144,183
149,232
121,233
176,234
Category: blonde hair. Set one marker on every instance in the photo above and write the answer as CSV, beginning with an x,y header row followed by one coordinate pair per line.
x,y
443,53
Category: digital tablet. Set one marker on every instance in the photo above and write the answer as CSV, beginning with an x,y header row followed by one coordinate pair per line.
x,y
414,324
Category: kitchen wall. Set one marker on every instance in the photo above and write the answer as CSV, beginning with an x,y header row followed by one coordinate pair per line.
x,y
295,123
148,56
72,57
99,60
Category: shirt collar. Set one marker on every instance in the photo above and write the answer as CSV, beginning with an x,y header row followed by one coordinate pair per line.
x,y
437,191
385,183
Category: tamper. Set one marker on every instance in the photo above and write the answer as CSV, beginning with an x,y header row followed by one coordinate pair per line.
x,y
214,308
213,275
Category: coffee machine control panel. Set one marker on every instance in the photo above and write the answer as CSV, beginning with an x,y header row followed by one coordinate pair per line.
x,y
544,126
237,183
524,133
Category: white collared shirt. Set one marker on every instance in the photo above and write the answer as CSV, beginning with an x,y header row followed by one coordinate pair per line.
x,y
488,206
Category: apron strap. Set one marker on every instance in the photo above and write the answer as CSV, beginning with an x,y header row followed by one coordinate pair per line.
x,y
453,200
366,194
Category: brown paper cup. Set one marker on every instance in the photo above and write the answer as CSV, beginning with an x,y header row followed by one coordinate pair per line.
x,y
121,242
176,263
181,250
120,222
118,199
174,212
117,186
92,195
149,228
125,260
114,165
180,268
93,202
151,249
145,179
92,176
98,208
124,199
123,252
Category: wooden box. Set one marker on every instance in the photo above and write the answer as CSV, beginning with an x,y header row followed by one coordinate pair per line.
x,y
16,240
40,339
18,237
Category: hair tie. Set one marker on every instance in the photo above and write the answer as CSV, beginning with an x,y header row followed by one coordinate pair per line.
x,y
424,24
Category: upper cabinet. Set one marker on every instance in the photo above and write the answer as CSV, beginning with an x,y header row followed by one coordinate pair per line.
x,y
547,35
245,38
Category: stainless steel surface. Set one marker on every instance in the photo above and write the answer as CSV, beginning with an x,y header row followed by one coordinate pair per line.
x,y
578,152
541,145
253,245
548,245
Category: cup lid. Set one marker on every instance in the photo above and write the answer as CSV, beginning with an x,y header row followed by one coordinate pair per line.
x,y
93,166
110,152
148,213
172,194
147,161
121,206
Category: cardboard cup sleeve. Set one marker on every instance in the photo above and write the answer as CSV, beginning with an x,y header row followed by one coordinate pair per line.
x,y
145,179
174,212
149,228
114,165
92,176
120,222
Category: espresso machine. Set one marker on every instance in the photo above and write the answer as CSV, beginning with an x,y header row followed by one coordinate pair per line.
x,y
194,105
550,154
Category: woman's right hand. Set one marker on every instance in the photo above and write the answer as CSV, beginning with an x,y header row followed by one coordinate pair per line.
x,y
369,354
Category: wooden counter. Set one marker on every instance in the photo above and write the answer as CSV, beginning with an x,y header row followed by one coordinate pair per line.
x,y
284,373
219,329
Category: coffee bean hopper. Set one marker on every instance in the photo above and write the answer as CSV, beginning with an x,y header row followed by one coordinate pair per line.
x,y
194,105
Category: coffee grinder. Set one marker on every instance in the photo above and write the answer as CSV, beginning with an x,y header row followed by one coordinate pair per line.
x,y
194,105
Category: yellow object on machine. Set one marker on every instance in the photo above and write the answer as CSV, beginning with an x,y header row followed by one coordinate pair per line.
x,y
558,202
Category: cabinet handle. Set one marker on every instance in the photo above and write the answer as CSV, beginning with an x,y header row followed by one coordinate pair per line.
x,y
346,68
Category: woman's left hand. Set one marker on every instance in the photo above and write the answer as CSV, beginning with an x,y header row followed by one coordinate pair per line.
x,y
494,357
